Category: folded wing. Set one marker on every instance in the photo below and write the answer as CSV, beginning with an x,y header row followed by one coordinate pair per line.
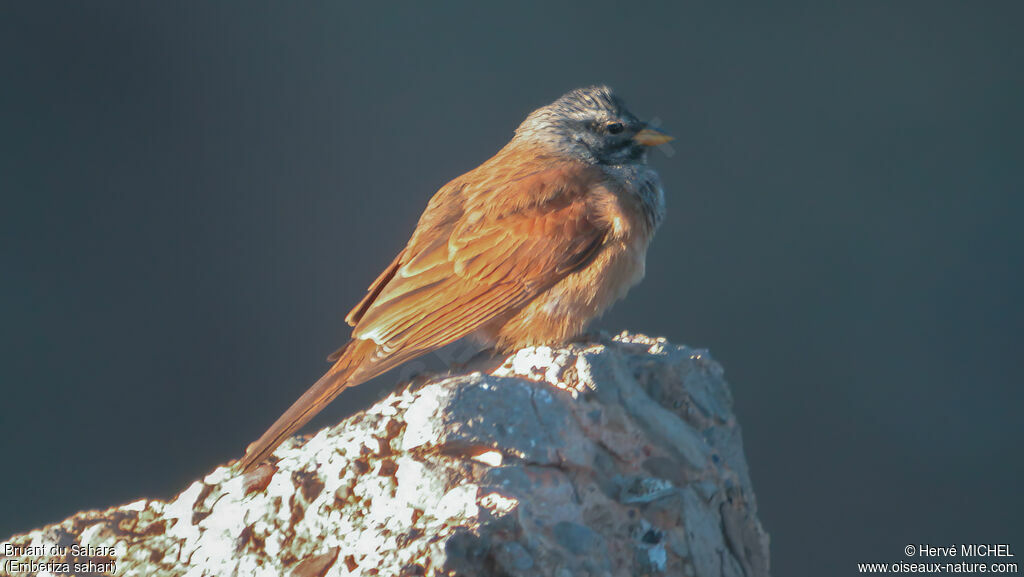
x,y
470,263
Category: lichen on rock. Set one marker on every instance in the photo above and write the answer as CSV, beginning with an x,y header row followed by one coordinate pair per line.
x,y
615,457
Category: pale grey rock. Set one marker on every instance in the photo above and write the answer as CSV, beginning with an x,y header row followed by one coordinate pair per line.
x,y
608,458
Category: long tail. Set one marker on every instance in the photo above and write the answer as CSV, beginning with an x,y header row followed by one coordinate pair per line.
x,y
337,379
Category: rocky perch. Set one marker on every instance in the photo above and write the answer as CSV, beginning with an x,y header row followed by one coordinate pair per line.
x,y
619,457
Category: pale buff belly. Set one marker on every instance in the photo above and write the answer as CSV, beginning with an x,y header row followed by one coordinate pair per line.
x,y
564,311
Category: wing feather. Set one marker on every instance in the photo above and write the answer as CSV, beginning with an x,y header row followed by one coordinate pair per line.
x,y
371,293
488,252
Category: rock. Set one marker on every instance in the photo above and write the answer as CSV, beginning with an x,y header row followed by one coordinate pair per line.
x,y
616,457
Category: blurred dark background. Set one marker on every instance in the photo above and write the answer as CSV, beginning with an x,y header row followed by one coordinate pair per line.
x,y
195,195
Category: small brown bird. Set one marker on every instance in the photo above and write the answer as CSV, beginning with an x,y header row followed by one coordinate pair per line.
x,y
525,249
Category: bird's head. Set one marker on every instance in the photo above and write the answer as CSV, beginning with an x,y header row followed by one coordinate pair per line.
x,y
591,125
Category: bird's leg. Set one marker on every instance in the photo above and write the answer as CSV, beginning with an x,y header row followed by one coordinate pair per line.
x,y
485,361
590,337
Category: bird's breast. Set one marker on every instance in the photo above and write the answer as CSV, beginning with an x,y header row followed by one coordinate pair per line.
x,y
563,311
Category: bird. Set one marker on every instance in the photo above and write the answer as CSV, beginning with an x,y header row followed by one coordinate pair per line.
x,y
525,249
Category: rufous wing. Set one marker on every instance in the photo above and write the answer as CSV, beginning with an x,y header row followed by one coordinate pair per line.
x,y
502,248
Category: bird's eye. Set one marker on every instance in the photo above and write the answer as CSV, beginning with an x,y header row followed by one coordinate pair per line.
x,y
614,127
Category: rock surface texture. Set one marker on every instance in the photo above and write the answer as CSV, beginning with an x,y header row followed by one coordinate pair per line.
x,y
620,457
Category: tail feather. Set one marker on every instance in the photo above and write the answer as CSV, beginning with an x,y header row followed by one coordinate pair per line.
x,y
323,391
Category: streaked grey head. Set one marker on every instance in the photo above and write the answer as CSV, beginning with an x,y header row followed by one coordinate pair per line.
x,y
592,125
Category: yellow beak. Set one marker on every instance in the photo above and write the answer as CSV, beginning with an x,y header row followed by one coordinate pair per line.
x,y
652,137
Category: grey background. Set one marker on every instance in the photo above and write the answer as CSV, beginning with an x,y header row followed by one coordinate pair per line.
x,y
194,196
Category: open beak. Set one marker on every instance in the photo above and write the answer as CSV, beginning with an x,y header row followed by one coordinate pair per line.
x,y
652,137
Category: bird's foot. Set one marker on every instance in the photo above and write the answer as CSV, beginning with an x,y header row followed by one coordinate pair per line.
x,y
485,361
